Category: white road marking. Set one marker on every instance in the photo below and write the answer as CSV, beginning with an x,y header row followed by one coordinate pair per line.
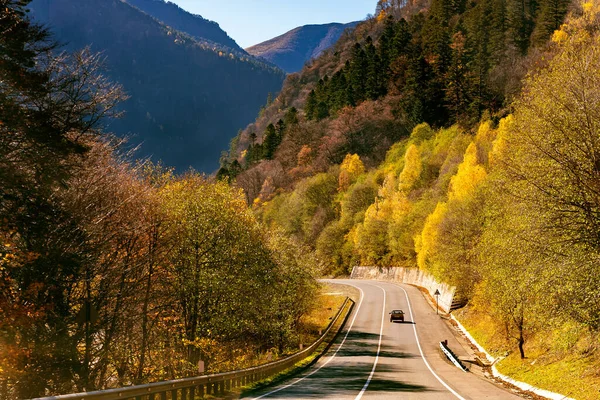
x,y
458,396
364,389
330,358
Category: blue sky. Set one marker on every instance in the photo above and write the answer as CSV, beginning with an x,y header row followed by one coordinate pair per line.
x,y
250,22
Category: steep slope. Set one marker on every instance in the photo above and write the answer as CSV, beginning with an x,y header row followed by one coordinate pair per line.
x,y
187,100
438,64
194,25
293,49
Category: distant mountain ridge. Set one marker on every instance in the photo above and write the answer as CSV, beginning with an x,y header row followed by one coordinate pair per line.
x,y
188,97
293,49
192,24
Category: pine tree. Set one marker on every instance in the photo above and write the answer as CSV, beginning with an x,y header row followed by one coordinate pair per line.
x,y
551,15
357,73
270,142
497,31
291,117
458,80
310,108
401,39
386,41
520,18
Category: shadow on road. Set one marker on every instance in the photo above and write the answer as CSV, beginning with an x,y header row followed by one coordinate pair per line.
x,y
347,373
359,344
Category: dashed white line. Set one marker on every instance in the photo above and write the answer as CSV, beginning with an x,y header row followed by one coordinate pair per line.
x,y
364,389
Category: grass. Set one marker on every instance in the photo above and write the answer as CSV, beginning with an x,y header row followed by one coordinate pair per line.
x,y
564,360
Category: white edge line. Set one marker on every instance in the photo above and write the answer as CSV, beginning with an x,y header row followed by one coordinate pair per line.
x,y
364,389
421,350
330,358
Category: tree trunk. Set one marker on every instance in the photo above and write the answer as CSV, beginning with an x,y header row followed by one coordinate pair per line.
x,y
144,344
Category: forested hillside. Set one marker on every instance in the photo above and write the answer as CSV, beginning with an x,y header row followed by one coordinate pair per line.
x,y
453,63
293,49
187,98
114,272
194,25
461,140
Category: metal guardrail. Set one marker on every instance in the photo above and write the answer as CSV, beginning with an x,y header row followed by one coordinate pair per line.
x,y
217,384
452,357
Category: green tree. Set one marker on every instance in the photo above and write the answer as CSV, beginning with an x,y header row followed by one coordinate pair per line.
x,y
271,141
310,108
551,152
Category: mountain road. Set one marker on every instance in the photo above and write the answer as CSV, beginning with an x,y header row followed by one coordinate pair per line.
x,y
373,358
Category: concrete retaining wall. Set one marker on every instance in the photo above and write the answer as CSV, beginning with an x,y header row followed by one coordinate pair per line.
x,y
412,276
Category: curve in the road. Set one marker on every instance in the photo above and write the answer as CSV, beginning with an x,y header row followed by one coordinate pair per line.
x,y
364,369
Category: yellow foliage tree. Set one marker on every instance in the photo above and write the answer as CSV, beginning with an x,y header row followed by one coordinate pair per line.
x,y
352,167
425,243
470,174
370,240
421,133
499,146
412,169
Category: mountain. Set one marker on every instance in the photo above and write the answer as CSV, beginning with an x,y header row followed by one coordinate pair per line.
x,y
293,49
194,25
188,97
411,64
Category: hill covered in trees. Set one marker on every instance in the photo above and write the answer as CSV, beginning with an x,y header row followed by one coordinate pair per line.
x,y
114,272
442,64
188,97
293,49
460,139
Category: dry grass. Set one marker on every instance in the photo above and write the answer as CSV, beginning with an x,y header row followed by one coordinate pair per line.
x,y
565,360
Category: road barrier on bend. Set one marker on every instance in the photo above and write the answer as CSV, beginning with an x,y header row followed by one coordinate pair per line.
x,y
452,357
217,384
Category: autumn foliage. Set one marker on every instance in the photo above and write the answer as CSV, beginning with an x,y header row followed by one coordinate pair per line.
x,y
114,272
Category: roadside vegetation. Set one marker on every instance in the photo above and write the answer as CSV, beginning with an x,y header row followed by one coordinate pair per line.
x,y
430,137
112,272
504,208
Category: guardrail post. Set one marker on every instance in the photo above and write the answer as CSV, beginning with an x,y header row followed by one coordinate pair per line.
x,y
194,387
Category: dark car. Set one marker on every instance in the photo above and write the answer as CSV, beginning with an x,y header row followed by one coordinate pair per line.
x,y
397,315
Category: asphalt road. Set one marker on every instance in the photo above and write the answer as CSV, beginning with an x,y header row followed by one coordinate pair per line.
x,y
376,359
